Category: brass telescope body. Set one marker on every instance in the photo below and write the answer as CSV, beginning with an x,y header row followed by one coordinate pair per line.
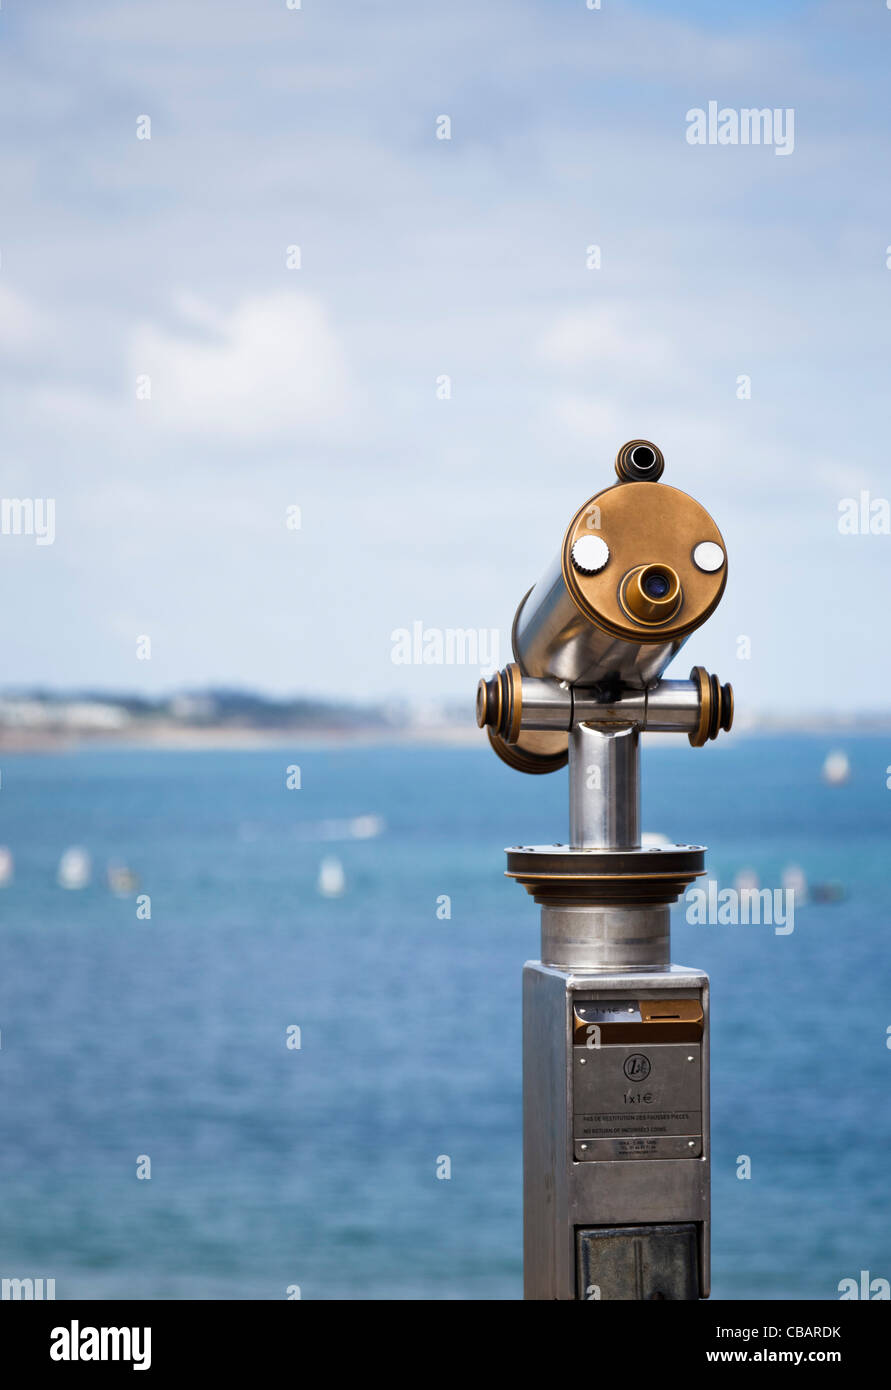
x,y
599,630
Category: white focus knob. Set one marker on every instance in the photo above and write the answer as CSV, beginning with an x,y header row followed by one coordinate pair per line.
x,y
590,554
708,556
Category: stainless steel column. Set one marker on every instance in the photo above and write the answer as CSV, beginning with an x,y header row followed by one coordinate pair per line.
x,y
604,787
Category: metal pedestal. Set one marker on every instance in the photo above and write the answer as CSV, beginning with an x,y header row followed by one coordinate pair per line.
x,y
615,1037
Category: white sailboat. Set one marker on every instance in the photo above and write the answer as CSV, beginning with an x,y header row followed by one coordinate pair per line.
x,y
74,868
366,827
794,880
332,880
837,768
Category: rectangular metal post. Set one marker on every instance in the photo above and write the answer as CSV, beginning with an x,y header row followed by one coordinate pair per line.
x,y
615,1134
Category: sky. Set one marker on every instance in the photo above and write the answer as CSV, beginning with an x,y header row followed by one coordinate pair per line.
x,y
127,260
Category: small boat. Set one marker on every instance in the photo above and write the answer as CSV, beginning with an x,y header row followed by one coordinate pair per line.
x,y
332,881
122,881
833,892
6,866
836,769
74,868
366,827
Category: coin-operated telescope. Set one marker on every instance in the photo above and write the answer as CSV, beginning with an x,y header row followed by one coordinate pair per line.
x,y
615,1037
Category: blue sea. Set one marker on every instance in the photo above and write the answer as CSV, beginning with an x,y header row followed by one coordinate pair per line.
x,y
126,1038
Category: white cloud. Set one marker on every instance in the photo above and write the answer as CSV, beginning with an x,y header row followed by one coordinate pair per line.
x,y
272,366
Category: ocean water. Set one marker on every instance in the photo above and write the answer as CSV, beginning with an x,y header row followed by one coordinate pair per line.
x,y
273,1167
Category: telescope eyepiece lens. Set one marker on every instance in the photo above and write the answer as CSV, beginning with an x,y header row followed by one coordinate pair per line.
x,y
656,584
652,594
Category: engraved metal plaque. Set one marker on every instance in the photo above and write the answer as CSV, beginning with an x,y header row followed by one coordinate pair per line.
x,y
637,1100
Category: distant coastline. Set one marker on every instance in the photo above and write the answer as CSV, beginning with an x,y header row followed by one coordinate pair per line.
x,y
42,721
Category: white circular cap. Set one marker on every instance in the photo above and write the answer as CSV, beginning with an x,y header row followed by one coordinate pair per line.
x,y
590,554
708,556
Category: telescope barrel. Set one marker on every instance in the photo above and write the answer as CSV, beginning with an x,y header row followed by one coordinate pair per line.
x,y
642,565
554,637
